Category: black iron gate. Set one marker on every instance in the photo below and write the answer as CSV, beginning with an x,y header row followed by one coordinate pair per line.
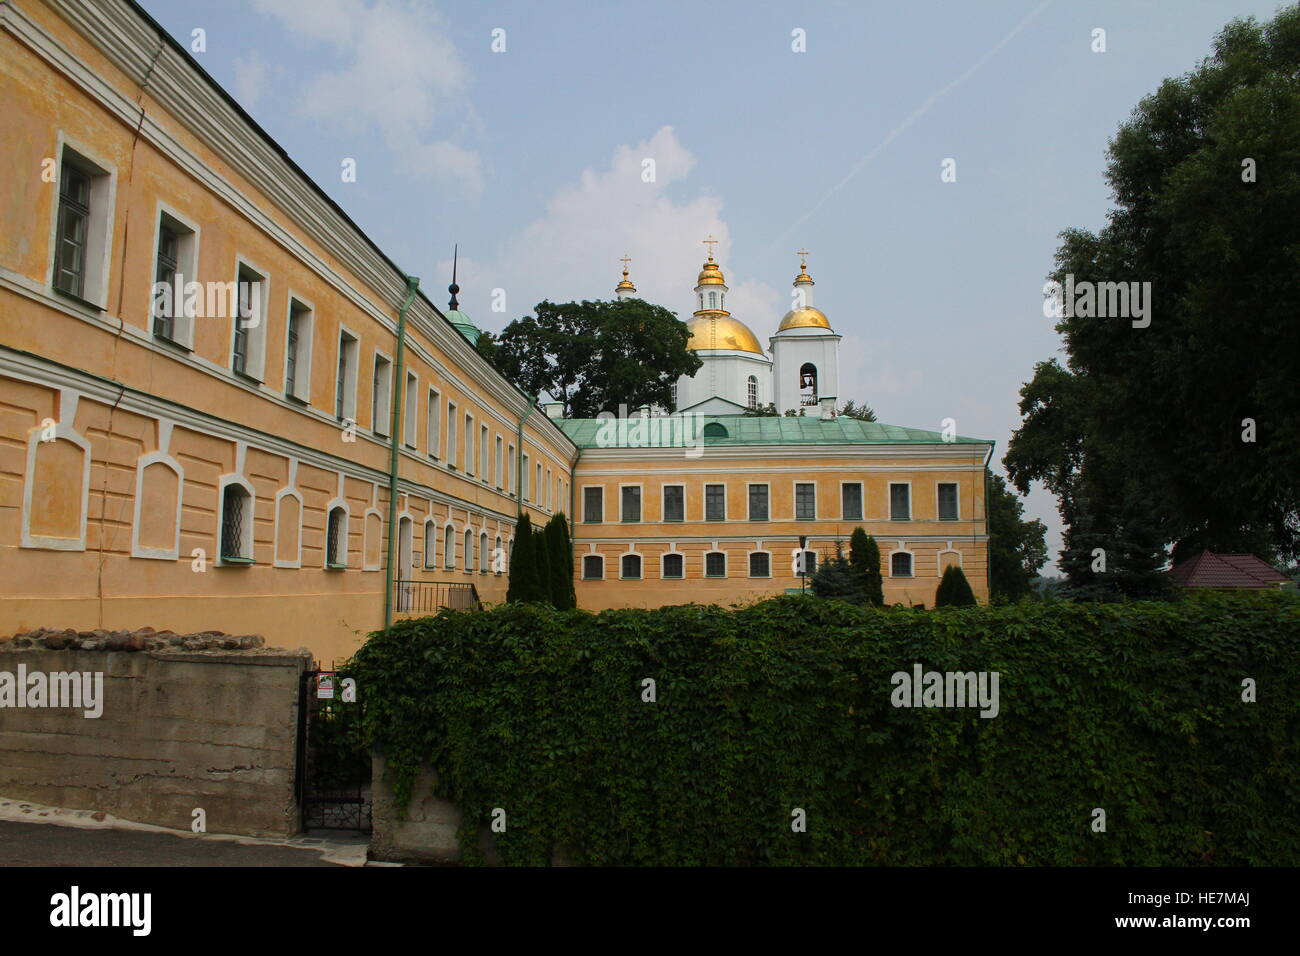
x,y
333,778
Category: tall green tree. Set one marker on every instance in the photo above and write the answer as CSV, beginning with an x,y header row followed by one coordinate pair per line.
x,y
524,583
594,356
839,579
1178,426
1016,548
563,595
954,590
864,554
542,563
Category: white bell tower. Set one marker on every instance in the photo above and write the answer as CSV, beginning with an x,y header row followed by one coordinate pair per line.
x,y
805,351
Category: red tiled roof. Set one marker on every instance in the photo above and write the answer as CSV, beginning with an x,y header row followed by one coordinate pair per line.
x,y
1208,570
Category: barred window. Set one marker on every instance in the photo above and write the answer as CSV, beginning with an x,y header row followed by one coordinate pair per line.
x,y
593,567
674,503
336,545
760,565
715,502
236,524
673,565
715,564
900,564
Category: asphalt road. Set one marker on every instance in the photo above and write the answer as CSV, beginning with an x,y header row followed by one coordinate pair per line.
x,y
42,844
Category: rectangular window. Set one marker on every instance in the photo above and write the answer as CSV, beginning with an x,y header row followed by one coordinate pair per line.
x,y
550,491
467,452
947,501
451,434
483,452
73,230
593,505
297,352
83,228
247,350
758,503
631,498
851,501
523,492
760,565
345,387
900,502
496,471
174,266
434,423
715,502
537,486
593,567
510,468
410,413
381,409
674,503
805,501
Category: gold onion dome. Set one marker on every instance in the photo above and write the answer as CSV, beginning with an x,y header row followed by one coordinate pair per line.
x,y
710,274
807,318
625,284
717,330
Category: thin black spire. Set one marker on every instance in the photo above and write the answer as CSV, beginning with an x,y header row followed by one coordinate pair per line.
x,y
453,288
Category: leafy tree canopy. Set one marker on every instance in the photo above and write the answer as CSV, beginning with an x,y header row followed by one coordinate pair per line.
x,y
594,356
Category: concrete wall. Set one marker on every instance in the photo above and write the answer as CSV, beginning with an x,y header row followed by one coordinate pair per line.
x,y
180,729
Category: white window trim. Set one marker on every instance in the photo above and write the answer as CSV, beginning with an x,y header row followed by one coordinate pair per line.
x,y
704,501
255,363
497,549
598,557
938,562
182,324
385,421
349,383
937,486
449,554
222,483
343,534
901,549
302,382
499,448
794,501
862,500
452,426
411,411
749,568
429,523
433,424
663,503
758,484
138,550
484,453
631,552
641,498
365,530
583,503
467,539
726,564
468,458
889,502
275,553
510,470
103,229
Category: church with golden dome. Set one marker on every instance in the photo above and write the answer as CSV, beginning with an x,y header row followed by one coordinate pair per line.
x,y
798,372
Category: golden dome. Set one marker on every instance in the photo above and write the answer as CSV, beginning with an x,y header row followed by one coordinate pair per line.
x,y
718,330
710,274
808,318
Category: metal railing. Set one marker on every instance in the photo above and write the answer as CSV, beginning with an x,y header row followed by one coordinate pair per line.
x,y
428,597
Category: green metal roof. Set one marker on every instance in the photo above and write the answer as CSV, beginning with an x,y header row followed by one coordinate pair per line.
x,y
668,432
463,323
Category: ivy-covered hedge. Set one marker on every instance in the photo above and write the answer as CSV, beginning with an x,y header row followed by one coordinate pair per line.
x,y
1136,709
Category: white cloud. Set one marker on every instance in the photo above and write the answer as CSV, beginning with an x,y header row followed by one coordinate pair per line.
x,y
250,80
572,250
392,71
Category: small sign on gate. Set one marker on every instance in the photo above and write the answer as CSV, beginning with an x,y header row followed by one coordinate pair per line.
x,y
325,686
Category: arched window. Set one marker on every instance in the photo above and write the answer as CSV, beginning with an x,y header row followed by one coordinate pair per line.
x,y
449,547
336,538
808,384
430,545
713,300
760,564
497,551
674,565
469,551
900,564
593,567
236,525
631,566
715,430
715,564
751,388
482,553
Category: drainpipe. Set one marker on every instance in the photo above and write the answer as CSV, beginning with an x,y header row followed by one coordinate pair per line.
x,y
399,402
988,581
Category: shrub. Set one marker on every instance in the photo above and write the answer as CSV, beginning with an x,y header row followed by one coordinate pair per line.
x,y
954,590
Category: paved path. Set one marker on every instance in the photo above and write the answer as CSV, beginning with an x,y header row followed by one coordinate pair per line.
x,y
43,844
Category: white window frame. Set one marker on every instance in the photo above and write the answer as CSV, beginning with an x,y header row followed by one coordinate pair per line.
x,y
187,269
467,457
911,563
484,454
758,484
306,336
726,565
640,503
862,500
631,554
350,348
749,567
255,360
99,227
794,500
327,562
411,411
663,503
433,423
430,529
499,451
381,423
452,427
704,500
938,515
889,501
449,546
601,489
588,557
248,543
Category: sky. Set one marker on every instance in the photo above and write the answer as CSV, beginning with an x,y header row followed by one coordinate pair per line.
x,y
521,131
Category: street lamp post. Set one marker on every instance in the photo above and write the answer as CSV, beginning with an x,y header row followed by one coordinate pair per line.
x,y
803,560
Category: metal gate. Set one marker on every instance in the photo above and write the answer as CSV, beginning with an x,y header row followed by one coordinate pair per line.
x,y
333,778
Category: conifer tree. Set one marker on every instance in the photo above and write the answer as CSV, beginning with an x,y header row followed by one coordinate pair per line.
x,y
864,554
523,567
563,595
954,590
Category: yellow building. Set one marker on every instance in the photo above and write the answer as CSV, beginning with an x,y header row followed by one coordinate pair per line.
x,y
220,456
